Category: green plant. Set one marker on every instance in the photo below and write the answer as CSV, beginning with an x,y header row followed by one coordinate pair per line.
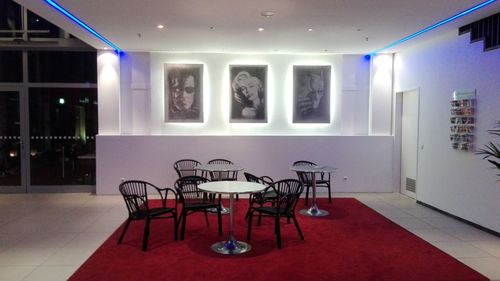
x,y
491,151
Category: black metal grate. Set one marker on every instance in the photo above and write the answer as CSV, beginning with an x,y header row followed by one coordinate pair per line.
x,y
487,29
411,185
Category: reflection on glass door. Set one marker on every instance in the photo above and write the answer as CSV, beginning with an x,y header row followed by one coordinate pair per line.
x,y
63,125
10,142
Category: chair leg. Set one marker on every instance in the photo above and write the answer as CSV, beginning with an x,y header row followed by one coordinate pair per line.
x,y
298,227
219,219
124,230
278,231
329,194
206,217
146,235
248,211
175,226
259,220
307,196
183,226
249,232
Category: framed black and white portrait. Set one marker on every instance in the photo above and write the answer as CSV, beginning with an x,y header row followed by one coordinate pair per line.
x,y
311,94
248,93
183,92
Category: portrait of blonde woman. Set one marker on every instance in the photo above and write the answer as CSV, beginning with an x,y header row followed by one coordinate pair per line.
x,y
248,93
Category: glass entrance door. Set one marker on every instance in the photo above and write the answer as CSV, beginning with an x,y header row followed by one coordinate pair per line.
x,y
47,139
12,150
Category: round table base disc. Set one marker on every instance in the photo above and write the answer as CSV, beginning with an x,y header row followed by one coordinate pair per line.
x,y
314,212
240,248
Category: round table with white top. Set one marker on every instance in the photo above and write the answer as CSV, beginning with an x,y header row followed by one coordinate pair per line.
x,y
220,168
231,246
313,211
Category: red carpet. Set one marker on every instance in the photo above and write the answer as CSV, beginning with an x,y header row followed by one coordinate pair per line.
x,y
353,243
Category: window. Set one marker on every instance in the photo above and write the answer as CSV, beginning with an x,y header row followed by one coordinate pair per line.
x,y
63,125
71,67
10,18
36,23
11,66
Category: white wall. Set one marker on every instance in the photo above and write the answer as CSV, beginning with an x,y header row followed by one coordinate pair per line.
x,y
279,94
381,83
457,182
145,147
108,88
362,159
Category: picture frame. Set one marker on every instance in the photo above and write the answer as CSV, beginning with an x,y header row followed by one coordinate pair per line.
x,y
183,95
248,93
311,94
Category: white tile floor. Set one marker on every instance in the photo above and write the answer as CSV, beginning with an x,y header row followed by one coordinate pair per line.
x,y
48,236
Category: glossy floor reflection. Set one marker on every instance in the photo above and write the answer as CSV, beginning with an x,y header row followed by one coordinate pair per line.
x,y
48,236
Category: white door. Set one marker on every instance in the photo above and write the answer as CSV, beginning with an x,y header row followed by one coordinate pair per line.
x,y
409,142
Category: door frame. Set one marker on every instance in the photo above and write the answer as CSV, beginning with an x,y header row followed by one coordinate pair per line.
x,y
24,155
397,149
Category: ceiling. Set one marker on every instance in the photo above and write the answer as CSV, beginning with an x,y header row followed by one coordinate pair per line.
x,y
338,26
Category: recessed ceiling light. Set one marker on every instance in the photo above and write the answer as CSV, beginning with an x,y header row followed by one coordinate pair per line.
x,y
160,26
261,29
309,29
105,48
267,14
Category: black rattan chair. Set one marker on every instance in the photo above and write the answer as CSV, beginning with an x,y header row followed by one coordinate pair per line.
x,y
322,180
140,207
268,195
223,176
194,200
185,167
288,194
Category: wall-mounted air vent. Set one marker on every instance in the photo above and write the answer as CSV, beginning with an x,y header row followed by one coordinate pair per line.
x,y
411,185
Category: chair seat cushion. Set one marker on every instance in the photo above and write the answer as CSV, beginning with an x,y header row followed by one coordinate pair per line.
x,y
200,205
270,194
160,211
271,210
152,212
319,183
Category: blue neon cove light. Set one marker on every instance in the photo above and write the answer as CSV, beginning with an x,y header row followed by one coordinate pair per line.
x,y
82,24
470,10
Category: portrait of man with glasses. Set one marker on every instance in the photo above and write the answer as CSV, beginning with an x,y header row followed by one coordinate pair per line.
x,y
183,93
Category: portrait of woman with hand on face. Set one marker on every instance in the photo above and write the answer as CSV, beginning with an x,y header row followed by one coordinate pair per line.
x,y
311,94
248,94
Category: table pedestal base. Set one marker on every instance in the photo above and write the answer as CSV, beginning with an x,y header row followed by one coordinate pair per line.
x,y
314,212
231,247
